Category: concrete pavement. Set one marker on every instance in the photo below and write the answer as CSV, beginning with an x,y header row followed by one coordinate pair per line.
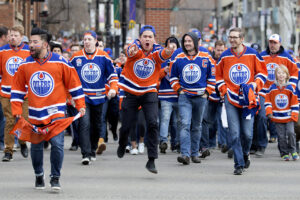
x,y
113,178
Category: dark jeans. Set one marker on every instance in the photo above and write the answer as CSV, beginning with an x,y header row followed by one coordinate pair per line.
x,y
2,125
113,114
89,129
73,128
149,103
56,155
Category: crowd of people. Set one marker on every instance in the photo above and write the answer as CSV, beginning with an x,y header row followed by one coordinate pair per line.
x,y
181,92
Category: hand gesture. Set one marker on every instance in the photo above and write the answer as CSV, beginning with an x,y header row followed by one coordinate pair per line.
x,y
82,111
133,49
170,48
111,93
167,69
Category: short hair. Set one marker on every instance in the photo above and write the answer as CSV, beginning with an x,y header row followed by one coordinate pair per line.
x,y
75,45
18,28
239,30
284,69
220,43
3,30
42,33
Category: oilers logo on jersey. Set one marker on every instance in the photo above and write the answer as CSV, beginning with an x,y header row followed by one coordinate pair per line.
x,y
281,101
12,65
271,71
239,74
143,68
90,73
41,83
191,73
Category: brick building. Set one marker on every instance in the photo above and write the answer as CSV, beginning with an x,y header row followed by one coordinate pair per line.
x,y
157,13
20,12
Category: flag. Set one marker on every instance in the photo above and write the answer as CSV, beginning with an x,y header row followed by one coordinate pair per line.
x,y
132,9
117,13
31,133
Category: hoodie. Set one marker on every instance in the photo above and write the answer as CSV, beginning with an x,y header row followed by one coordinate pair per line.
x,y
195,40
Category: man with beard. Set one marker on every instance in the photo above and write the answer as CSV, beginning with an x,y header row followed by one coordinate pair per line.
x,y
139,80
274,56
239,65
11,55
47,76
192,79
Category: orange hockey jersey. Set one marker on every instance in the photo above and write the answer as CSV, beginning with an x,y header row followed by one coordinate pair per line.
x,y
141,72
233,70
272,61
10,59
47,83
282,103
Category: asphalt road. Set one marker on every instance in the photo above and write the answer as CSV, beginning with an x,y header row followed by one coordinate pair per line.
x,y
112,178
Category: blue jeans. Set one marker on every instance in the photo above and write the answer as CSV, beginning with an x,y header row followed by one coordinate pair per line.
x,y
2,125
56,155
191,111
272,129
260,138
166,109
174,128
89,129
241,133
209,120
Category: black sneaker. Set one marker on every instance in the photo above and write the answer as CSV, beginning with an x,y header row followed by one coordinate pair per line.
x,y
85,161
163,147
195,159
54,182
40,182
7,157
230,153
260,152
184,160
205,153
238,171
224,148
150,166
121,151
24,150
247,161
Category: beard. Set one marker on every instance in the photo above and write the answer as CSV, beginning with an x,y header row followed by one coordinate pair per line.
x,y
35,53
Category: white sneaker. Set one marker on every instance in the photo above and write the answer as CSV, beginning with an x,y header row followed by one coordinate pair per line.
x,y
128,148
93,158
134,151
85,161
141,148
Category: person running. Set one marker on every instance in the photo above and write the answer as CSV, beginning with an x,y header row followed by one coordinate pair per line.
x,y
95,69
11,55
168,104
192,79
47,76
139,80
282,108
239,65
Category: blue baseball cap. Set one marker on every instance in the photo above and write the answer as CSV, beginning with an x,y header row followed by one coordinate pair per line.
x,y
147,28
198,33
92,33
108,51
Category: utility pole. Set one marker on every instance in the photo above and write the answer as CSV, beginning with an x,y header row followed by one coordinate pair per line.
x,y
97,15
124,22
108,25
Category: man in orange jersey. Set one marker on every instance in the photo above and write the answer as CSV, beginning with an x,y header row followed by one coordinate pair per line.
x,y
47,76
239,65
274,56
11,55
139,81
